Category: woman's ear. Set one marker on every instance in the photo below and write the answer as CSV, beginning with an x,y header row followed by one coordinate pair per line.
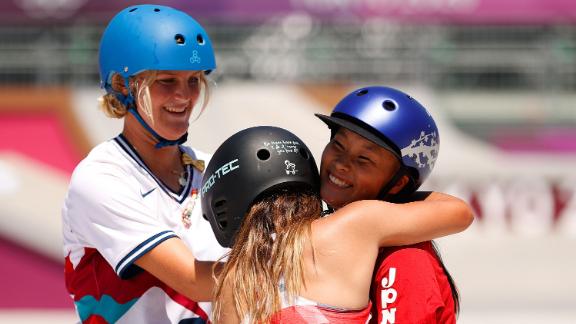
x,y
118,84
400,184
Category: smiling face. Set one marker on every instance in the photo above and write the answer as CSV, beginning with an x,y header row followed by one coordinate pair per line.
x,y
172,97
354,168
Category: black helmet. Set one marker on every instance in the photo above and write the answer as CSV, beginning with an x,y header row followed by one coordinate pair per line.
x,y
251,163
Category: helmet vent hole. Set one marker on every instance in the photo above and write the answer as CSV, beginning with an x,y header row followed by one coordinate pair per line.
x,y
200,39
133,9
180,40
156,10
389,105
220,203
303,153
263,154
222,224
362,92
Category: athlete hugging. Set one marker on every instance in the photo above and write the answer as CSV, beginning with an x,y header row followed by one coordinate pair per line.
x,y
139,249
288,264
411,283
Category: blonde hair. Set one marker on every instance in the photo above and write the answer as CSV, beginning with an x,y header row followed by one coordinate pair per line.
x,y
268,250
140,84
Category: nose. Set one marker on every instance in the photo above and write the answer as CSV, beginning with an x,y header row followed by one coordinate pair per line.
x,y
183,91
187,90
342,163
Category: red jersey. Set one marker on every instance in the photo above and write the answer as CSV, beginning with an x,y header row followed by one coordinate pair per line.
x,y
410,287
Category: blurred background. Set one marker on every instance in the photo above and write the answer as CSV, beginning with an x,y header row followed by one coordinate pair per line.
x,y
499,77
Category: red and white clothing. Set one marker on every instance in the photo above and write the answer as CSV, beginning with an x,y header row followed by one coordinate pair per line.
x,y
302,310
115,211
410,287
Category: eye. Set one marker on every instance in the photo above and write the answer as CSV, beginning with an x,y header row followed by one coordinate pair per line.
x,y
337,145
166,80
365,160
194,80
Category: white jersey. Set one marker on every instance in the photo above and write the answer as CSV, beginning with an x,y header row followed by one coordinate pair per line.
x,y
115,211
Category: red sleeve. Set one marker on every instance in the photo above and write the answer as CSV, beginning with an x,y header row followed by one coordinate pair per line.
x,y
405,288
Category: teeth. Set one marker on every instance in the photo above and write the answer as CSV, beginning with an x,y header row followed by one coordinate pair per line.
x,y
338,182
175,109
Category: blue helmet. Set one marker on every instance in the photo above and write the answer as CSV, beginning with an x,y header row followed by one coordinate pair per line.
x,y
153,37
395,121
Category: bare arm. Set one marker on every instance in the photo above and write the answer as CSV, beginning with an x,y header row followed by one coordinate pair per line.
x,y
174,264
228,314
402,224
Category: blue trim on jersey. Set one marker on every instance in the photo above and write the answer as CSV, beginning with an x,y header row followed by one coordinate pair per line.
x,y
125,264
106,307
178,196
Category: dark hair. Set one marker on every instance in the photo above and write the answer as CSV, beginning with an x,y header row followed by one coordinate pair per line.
x,y
455,294
404,197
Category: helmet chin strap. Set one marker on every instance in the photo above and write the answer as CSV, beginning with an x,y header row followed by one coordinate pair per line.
x,y
128,101
162,142
384,195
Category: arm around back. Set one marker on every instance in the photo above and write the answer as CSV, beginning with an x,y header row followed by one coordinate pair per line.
x,y
389,224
